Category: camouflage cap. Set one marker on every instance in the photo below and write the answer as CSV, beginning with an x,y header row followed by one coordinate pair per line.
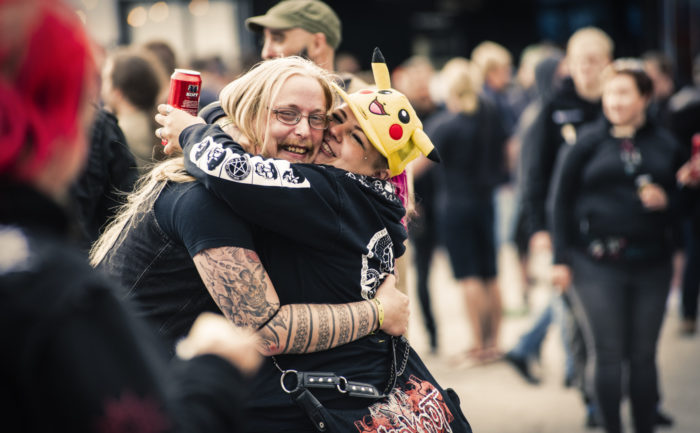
x,y
311,15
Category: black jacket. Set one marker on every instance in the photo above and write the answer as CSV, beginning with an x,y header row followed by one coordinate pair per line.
x,y
596,195
74,359
110,170
564,113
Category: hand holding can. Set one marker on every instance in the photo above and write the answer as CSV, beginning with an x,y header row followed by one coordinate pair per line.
x,y
185,87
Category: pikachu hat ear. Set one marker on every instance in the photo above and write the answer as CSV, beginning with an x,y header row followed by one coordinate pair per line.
x,y
388,119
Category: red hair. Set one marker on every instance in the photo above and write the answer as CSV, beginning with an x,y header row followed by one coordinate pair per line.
x,y
45,63
400,182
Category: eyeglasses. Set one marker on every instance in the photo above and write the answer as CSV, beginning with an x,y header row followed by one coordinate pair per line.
x,y
289,116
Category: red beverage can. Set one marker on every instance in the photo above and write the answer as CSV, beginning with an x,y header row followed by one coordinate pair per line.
x,y
185,87
695,153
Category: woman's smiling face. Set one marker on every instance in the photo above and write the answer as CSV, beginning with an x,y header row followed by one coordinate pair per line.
x,y
623,103
346,146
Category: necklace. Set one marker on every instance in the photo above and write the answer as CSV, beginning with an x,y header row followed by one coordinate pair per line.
x,y
630,156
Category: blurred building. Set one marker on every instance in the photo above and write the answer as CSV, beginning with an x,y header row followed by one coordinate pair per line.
x,y
440,29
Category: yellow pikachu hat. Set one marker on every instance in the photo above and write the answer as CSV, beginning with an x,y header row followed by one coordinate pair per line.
x,y
388,120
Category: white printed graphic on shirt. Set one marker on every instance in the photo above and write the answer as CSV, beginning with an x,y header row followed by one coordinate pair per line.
x,y
383,187
380,252
223,163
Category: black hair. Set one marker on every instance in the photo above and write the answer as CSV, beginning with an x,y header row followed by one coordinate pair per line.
x,y
635,69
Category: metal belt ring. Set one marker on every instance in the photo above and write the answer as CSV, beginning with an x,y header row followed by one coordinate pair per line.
x,y
342,385
284,375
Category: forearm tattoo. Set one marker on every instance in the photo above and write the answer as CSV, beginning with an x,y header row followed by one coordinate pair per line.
x,y
343,324
324,328
238,284
301,333
272,333
314,327
363,327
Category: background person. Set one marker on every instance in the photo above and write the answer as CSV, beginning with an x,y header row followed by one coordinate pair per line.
x,y
76,359
496,64
555,128
306,28
132,82
547,78
110,172
469,135
685,112
613,235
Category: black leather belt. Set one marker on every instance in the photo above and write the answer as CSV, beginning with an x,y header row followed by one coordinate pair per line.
x,y
325,380
302,381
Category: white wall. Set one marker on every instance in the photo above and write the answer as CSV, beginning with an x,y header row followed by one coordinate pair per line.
x,y
213,32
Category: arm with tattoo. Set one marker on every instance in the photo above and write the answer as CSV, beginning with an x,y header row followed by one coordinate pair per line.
x,y
304,328
240,286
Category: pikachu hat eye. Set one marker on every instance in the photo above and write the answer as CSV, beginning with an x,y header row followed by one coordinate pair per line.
x,y
404,117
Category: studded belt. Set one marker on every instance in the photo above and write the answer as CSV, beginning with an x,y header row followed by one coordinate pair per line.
x,y
297,384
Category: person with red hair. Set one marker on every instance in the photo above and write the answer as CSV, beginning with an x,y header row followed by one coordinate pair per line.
x,y
75,359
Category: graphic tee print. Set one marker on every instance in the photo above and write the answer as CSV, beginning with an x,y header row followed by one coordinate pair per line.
x,y
418,407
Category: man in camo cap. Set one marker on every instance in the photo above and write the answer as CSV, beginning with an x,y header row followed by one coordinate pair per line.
x,y
309,28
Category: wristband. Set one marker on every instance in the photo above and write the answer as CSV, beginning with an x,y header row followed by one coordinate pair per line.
x,y
223,122
380,312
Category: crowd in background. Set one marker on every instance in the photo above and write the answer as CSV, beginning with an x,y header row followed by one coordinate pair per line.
x,y
595,149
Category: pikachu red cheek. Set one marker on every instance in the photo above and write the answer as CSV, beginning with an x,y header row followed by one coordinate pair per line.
x,y
396,131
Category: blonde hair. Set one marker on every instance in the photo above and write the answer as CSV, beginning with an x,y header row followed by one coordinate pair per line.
x,y
463,82
254,92
588,35
244,100
489,55
137,205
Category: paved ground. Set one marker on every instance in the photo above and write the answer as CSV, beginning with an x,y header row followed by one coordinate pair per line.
x,y
496,400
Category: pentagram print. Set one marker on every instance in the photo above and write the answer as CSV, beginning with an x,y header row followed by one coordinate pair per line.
x,y
238,168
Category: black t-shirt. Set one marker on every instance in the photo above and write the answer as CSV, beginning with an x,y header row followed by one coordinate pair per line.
x,y
153,262
215,225
471,148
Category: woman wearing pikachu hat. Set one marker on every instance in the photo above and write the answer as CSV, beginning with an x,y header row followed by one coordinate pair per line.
x,y
330,233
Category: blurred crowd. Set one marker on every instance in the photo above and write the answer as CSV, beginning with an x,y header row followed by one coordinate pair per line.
x,y
599,156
